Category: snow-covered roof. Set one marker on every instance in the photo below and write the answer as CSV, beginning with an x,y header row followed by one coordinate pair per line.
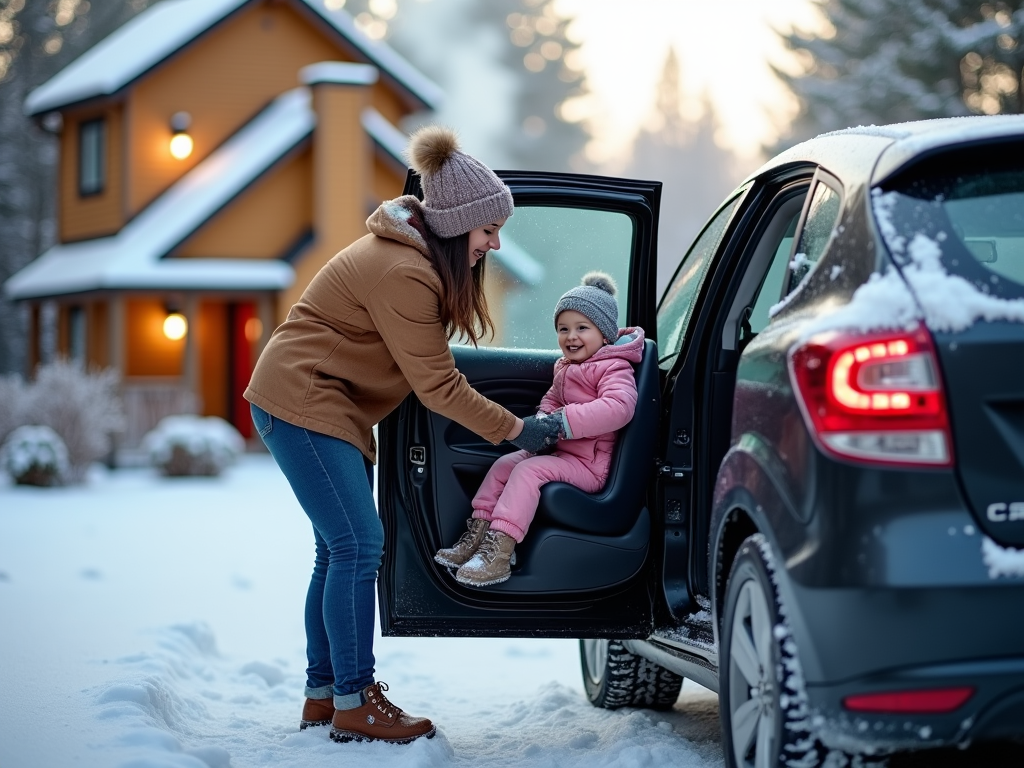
x,y
134,257
160,31
384,134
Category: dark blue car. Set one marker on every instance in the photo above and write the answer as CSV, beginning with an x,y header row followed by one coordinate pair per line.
x,y
818,508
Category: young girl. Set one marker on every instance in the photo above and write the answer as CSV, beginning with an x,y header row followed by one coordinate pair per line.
x,y
593,395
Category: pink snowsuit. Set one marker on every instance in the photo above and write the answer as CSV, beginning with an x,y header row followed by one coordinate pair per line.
x,y
598,397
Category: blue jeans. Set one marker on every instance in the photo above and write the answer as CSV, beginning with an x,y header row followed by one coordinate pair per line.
x,y
333,482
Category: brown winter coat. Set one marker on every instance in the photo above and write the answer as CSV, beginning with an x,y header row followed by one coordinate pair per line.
x,y
365,333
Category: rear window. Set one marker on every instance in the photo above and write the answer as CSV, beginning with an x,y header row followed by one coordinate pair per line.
x,y
975,211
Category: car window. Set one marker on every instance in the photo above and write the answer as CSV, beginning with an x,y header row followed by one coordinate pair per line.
x,y
822,215
545,251
771,287
981,206
676,308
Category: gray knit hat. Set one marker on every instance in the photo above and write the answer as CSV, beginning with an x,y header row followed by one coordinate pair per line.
x,y
459,192
594,298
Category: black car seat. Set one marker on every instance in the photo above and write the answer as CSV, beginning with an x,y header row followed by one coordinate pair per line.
x,y
613,511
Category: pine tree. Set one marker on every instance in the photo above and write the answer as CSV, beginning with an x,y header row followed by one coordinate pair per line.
x,y
898,60
682,153
539,53
37,39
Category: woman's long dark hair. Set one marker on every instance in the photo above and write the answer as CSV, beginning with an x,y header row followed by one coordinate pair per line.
x,y
463,304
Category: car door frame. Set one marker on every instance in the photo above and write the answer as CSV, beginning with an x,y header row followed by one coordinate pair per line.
x,y
685,439
445,610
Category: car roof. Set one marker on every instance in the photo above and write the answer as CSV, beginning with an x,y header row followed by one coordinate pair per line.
x,y
874,153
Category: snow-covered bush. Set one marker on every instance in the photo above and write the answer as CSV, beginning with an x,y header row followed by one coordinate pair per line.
x,y
193,445
35,455
81,406
12,404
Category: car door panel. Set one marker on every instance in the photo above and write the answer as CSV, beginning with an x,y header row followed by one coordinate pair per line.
x,y
579,572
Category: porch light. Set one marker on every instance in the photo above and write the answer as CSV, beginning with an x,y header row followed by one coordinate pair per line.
x,y
175,326
181,141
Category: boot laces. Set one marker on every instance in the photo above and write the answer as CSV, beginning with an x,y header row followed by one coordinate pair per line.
x,y
381,701
488,548
468,536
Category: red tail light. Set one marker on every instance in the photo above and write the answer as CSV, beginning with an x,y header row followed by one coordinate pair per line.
x,y
875,398
936,701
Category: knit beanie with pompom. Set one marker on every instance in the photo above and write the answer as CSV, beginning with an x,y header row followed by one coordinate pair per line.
x,y
595,299
459,192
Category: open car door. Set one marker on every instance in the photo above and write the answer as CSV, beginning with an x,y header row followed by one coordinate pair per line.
x,y
582,570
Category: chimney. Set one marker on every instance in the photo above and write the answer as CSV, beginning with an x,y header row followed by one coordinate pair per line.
x,y
342,157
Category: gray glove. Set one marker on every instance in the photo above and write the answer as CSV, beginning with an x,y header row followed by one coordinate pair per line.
x,y
538,432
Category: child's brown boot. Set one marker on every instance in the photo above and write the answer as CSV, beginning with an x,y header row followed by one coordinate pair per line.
x,y
465,546
379,720
491,564
316,712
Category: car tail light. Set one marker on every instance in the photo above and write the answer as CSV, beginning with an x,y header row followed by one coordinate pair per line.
x,y
875,398
935,701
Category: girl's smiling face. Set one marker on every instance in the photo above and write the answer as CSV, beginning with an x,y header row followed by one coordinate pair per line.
x,y
578,338
484,239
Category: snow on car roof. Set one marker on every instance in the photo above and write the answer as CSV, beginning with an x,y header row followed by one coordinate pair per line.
x,y
160,31
890,147
133,258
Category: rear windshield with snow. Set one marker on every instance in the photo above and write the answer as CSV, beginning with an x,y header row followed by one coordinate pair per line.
x,y
973,208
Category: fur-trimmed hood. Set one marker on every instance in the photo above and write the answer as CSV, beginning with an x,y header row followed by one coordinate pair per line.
x,y
401,220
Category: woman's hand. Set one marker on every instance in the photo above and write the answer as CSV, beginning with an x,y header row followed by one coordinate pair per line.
x,y
537,432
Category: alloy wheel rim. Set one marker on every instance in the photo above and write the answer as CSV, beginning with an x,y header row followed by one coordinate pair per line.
x,y
753,697
596,654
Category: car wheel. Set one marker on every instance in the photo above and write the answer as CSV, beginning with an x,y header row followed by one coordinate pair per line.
x,y
613,677
763,702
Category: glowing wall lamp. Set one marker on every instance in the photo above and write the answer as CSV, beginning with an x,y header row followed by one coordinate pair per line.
x,y
181,141
175,325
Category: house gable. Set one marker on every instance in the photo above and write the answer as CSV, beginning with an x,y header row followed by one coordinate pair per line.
x,y
266,220
222,80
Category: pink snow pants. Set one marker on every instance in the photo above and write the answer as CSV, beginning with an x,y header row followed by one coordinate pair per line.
x,y
511,491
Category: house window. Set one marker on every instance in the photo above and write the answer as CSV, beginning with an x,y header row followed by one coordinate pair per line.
x,y
92,157
76,335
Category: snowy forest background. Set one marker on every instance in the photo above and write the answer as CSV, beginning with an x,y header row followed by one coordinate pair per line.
x,y
870,62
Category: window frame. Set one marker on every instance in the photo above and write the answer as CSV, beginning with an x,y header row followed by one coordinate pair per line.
x,y
667,360
820,177
100,147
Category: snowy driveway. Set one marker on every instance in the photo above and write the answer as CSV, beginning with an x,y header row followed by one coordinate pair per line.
x,y
150,623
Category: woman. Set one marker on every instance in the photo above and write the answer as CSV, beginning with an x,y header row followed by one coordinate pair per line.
x,y
373,325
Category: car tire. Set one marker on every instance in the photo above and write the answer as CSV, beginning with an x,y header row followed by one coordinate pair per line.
x,y
613,677
762,698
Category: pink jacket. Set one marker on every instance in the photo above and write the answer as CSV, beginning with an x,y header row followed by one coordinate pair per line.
x,y
598,397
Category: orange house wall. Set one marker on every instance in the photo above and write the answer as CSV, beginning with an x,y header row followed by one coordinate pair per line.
x,y
93,215
222,80
265,221
148,352
387,184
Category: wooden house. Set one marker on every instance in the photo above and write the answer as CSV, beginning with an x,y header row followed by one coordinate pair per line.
x,y
214,154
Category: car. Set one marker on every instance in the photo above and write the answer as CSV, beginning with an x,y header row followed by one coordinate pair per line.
x,y
818,508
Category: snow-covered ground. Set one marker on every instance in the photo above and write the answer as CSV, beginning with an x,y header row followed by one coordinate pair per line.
x,y
157,623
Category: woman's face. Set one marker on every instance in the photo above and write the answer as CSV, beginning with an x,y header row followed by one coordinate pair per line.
x,y
484,239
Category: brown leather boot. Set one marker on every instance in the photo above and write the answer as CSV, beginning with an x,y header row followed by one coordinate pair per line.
x,y
316,712
379,720
466,545
491,564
